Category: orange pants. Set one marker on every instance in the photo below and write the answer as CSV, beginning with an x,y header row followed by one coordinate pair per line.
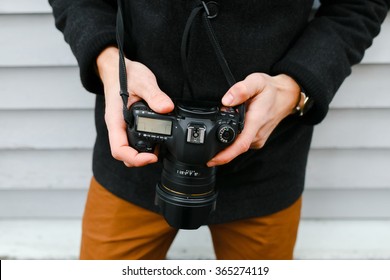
x,y
116,229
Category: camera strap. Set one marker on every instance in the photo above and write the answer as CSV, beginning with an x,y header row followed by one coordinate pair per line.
x,y
206,16
120,30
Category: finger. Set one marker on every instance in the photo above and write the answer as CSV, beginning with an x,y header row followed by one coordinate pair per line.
x,y
239,146
157,100
160,102
244,90
121,151
119,145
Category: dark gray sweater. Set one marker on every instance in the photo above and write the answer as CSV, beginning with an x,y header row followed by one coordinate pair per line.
x,y
270,36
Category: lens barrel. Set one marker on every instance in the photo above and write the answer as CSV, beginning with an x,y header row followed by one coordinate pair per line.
x,y
186,194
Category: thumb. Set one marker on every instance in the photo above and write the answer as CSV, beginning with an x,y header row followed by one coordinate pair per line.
x,y
158,101
241,91
143,84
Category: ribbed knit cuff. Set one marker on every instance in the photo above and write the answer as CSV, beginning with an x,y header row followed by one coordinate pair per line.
x,y
87,55
313,86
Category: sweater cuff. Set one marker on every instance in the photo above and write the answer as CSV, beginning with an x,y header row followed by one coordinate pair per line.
x,y
87,60
314,88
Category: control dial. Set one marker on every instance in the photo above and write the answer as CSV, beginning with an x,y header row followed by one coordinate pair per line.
x,y
226,134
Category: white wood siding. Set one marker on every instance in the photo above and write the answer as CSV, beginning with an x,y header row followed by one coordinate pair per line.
x,y
47,129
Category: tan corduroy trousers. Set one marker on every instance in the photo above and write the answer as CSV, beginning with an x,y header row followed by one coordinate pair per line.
x,y
116,229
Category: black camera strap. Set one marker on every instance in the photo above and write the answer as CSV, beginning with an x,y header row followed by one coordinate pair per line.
x,y
120,31
206,16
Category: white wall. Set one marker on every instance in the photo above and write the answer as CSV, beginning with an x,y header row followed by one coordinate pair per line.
x,y
47,130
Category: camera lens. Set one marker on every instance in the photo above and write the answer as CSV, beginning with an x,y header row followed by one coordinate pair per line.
x,y
226,134
186,194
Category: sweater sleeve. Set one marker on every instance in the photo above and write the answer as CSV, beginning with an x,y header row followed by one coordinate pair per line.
x,y
88,27
334,40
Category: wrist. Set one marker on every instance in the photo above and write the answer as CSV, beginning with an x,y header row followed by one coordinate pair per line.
x,y
107,62
291,90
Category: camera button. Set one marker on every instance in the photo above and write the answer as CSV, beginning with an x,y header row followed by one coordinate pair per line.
x,y
142,146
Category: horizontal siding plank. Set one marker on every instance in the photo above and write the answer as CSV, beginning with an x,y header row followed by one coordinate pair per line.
x,y
317,204
43,88
24,6
379,51
346,204
367,87
47,129
32,40
71,169
42,203
349,168
51,129
45,169
47,47
354,128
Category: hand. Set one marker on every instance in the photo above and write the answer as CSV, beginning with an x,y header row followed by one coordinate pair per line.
x,y
269,100
142,84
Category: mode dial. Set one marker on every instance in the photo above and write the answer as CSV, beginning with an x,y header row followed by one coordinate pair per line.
x,y
226,134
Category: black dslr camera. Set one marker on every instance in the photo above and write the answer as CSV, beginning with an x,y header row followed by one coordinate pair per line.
x,y
191,135
186,194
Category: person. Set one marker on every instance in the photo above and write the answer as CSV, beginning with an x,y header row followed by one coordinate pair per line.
x,y
283,59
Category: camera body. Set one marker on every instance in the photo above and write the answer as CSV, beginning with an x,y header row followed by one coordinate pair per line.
x,y
192,135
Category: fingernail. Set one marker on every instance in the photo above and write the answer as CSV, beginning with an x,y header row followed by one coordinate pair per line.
x,y
227,100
